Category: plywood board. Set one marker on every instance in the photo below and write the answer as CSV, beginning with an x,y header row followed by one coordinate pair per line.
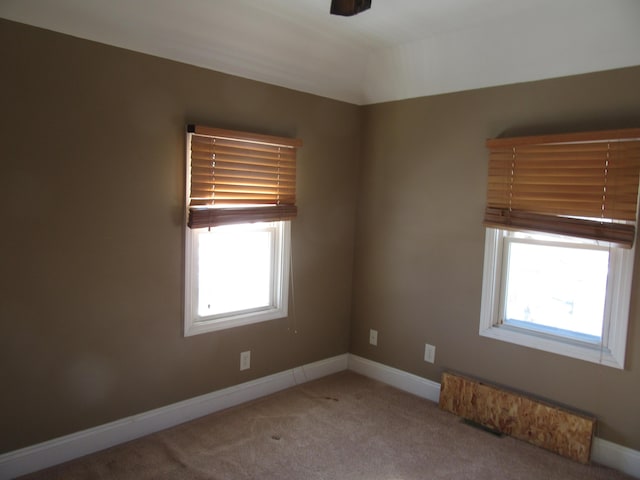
x,y
554,428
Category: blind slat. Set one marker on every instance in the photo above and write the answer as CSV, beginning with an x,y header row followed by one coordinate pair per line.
x,y
248,174
241,192
216,159
210,158
239,184
249,178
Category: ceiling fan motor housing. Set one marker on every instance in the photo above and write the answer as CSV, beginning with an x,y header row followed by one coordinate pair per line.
x,y
347,8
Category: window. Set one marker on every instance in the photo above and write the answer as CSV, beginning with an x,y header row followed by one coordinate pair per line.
x,y
239,274
241,199
559,253
559,294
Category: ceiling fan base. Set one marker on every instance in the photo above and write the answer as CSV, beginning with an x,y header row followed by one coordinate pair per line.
x,y
348,8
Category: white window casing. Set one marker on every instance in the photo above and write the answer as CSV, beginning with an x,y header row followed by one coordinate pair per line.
x,y
611,351
195,324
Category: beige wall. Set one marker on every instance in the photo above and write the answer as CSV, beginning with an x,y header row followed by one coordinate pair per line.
x,y
92,154
420,239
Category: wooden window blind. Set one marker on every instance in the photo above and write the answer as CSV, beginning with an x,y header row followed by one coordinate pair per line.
x,y
583,184
238,177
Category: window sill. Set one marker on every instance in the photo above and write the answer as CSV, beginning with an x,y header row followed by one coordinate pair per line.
x,y
539,341
205,325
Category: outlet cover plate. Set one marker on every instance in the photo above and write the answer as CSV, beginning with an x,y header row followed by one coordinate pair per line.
x,y
245,360
429,353
373,337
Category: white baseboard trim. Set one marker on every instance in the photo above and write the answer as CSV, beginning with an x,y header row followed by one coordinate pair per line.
x,y
63,449
59,450
396,378
603,452
616,456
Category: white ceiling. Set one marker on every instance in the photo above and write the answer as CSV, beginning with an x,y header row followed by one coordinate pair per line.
x,y
398,49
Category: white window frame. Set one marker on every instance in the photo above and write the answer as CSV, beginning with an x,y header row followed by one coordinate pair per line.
x,y
195,324
611,352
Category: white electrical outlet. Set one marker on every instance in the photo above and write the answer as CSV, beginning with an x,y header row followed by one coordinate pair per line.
x,y
373,337
245,360
429,353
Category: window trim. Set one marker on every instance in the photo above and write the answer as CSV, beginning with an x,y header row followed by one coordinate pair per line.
x,y
194,324
612,350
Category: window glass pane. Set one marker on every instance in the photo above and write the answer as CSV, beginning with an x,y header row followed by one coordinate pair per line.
x,y
557,287
235,269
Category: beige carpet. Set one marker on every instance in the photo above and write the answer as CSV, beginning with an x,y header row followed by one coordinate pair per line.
x,y
340,427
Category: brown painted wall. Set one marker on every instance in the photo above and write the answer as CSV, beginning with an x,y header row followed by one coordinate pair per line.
x,y
420,239
92,154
